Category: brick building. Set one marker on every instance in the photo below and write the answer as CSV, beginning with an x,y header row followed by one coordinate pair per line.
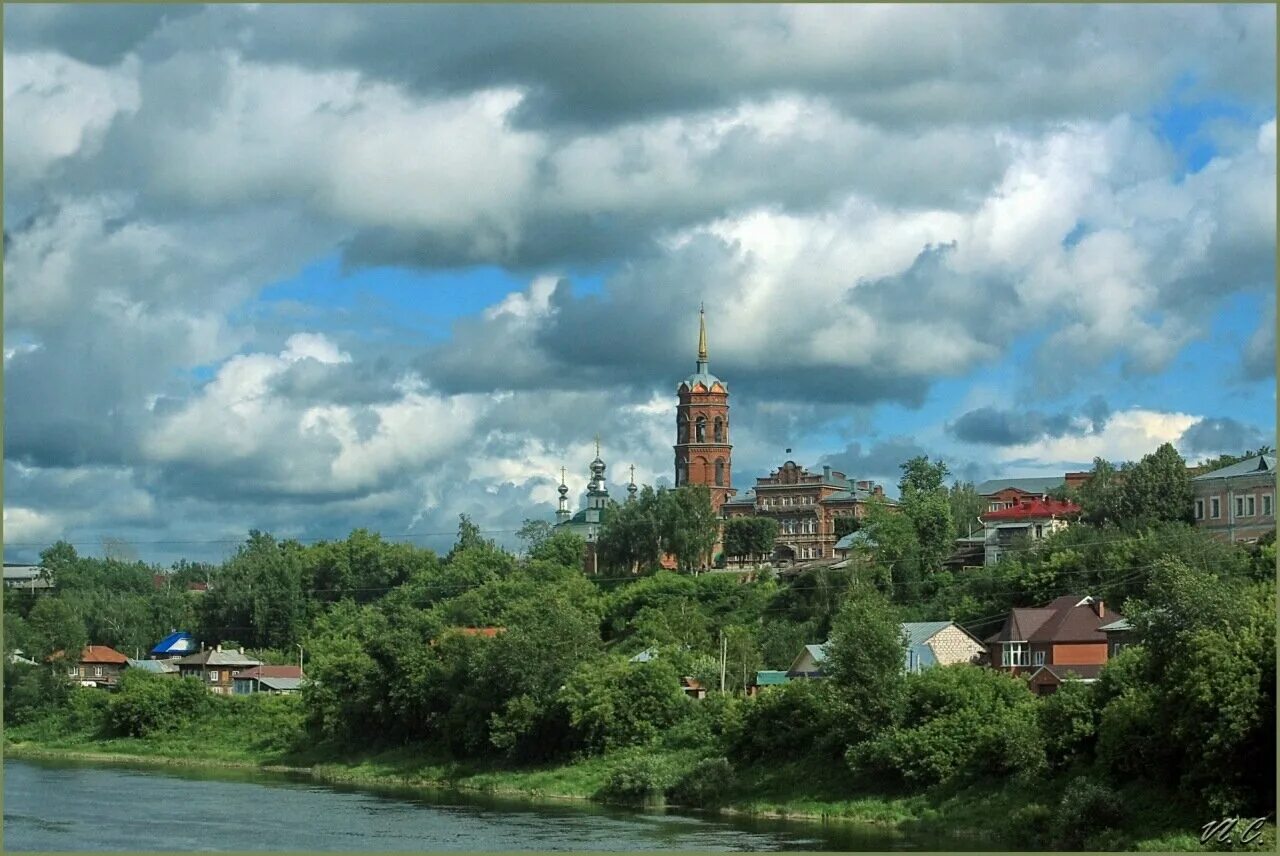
x,y
1237,503
806,506
703,453
1061,641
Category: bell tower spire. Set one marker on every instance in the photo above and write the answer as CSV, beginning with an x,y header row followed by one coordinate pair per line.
x,y
702,339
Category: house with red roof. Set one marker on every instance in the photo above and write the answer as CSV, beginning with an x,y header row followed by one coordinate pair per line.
x,y
98,666
268,679
1065,640
1031,519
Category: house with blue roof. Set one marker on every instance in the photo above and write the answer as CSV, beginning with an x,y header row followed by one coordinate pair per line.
x,y
176,644
928,644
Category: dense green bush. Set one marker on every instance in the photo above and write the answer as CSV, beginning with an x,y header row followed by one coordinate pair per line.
x,y
706,785
639,779
957,722
803,717
145,703
613,702
1086,809
713,723
1068,721
32,693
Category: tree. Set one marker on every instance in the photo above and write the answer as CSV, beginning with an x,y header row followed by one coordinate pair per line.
x,y
688,525
631,535
925,501
1100,497
532,533
866,659
54,626
1156,489
257,596
562,548
469,537
613,702
966,506
749,537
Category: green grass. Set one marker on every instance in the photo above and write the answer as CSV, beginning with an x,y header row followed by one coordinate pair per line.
x,y
267,732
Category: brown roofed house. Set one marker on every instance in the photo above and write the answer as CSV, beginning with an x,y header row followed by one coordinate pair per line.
x,y
99,666
216,668
1065,636
269,679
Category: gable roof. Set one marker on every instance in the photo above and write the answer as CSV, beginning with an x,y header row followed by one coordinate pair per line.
x,y
214,657
159,667
771,678
282,684
1070,618
1247,467
102,654
1039,484
1035,509
175,643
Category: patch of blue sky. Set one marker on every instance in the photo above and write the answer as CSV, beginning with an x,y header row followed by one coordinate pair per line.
x,y
1186,119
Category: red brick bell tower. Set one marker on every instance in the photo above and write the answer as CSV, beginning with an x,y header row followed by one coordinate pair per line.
x,y
703,452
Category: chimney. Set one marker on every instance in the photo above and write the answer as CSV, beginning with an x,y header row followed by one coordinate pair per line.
x,y
219,648
1099,607
826,471
878,490
241,650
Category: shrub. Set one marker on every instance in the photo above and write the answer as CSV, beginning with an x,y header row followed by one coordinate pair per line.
x,y
958,722
706,785
87,710
1027,826
712,723
639,780
613,702
1086,809
799,718
1068,721
145,703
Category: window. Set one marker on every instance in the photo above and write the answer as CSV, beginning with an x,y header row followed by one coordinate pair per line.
x,y
1251,506
700,429
97,671
1015,654
1037,658
73,671
995,506
1215,508
720,472
1266,504
213,677
719,430
1239,506
1039,530
1199,509
1117,647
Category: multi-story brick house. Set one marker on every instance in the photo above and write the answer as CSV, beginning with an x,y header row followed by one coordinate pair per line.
x,y
1031,519
1237,503
98,666
1062,640
806,506
216,669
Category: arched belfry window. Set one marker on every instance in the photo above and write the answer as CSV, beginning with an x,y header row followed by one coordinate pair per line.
x,y
720,472
684,429
701,430
719,425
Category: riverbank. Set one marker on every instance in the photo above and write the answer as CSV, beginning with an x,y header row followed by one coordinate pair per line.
x,y
996,816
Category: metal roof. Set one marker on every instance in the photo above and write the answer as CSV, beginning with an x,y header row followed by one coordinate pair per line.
x,y
159,667
1247,467
1039,484
281,684
213,657
919,632
175,643
22,572
771,678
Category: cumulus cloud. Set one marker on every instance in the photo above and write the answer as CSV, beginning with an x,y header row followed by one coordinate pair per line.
x,y
1214,436
1001,427
869,201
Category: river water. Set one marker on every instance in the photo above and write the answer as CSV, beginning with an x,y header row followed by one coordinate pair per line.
x,y
77,806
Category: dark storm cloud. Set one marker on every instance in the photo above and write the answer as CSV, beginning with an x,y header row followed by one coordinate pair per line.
x,y
880,460
100,34
1221,435
994,426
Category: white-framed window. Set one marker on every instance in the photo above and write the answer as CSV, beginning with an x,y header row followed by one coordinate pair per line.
x,y
1039,530
1239,506
1215,508
1199,509
995,506
213,677
1266,505
73,670
1015,654
1037,658
1250,505
97,671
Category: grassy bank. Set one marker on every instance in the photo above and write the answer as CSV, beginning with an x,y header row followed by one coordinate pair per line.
x,y
998,815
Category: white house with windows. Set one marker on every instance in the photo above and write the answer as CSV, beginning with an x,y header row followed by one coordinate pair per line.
x,y
1237,503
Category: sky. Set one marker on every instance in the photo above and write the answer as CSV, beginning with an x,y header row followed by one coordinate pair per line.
x,y
308,269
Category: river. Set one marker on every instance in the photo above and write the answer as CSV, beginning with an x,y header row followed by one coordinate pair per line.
x,y
80,806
